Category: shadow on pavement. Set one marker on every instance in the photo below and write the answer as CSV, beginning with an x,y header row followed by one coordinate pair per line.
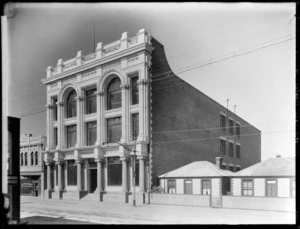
x,y
50,220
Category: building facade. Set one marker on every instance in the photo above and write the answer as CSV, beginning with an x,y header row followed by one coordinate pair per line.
x,y
32,165
121,109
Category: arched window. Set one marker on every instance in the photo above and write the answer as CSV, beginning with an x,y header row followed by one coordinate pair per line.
x,y
22,162
36,158
71,104
114,94
25,159
31,158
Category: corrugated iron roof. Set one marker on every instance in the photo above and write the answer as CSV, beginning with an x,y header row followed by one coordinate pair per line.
x,y
279,166
198,169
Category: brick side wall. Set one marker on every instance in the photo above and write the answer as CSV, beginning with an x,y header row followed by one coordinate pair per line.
x,y
178,106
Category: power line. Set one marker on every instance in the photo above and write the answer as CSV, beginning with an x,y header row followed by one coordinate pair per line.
x,y
200,139
33,112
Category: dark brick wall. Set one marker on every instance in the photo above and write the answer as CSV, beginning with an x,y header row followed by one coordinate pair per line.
x,y
179,113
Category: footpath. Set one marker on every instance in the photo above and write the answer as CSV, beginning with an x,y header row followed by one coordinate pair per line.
x,y
113,213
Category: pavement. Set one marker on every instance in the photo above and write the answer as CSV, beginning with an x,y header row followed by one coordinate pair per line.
x,y
37,210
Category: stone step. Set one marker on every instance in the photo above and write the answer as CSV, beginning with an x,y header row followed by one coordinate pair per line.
x,y
115,197
91,197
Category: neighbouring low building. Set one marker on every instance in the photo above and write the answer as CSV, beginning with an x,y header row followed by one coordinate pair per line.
x,y
125,97
268,185
32,165
203,179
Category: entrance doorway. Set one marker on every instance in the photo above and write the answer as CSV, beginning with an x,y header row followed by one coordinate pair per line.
x,y
93,180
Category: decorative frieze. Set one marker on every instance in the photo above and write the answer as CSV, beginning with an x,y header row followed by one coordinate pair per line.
x,y
70,65
115,65
54,86
69,80
112,49
88,75
69,155
132,41
89,57
132,60
112,153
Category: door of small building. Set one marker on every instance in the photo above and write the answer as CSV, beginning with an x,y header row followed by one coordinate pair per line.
x,y
271,188
35,188
93,180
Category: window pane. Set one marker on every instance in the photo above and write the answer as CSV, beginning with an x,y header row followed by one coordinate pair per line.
x,y
134,91
91,133
114,94
90,101
114,171
135,126
71,105
72,173
71,135
36,158
114,128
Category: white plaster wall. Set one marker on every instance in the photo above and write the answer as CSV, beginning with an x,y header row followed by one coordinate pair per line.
x,y
236,187
196,186
259,187
162,184
283,187
179,186
215,186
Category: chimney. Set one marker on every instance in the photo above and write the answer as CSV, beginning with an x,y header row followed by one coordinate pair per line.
x,y
278,155
219,162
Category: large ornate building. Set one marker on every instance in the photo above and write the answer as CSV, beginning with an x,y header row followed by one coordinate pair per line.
x,y
124,100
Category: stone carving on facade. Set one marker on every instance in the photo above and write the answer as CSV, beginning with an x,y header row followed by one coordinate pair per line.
x,y
70,65
112,49
89,57
54,86
69,80
132,41
125,86
111,67
132,60
88,75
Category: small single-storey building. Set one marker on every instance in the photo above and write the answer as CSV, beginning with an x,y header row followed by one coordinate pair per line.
x,y
268,185
198,178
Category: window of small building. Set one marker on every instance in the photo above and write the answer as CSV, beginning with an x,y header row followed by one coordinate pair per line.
x,y
134,89
222,147
135,126
230,126
36,158
114,129
230,149
171,186
90,101
72,172
271,188
247,187
188,187
21,159
237,168
223,122
91,133
238,130
71,135
114,94
71,104
54,101
223,167
205,187
25,159
231,168
238,151
114,171
31,159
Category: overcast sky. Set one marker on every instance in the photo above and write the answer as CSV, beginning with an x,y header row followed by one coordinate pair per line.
x,y
257,41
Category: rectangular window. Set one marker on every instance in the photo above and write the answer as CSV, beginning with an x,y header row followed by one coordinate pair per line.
x,y
223,167
237,169
114,129
55,138
238,130
230,149
91,133
271,188
72,173
231,168
71,135
135,126
206,187
134,90
238,151
90,101
247,187
223,123
231,126
54,101
171,186
188,188
223,147
293,188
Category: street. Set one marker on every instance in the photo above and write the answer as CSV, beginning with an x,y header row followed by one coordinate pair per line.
x,y
65,211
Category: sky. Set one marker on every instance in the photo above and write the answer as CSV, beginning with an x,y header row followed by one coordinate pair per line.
x,y
244,52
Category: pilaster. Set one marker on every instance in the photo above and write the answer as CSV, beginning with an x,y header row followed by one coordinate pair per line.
x,y
100,117
60,126
124,174
79,106
125,112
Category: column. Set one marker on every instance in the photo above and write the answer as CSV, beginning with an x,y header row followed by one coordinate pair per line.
x,y
60,125
79,107
49,126
142,109
125,112
99,175
86,175
49,176
124,174
142,174
60,185
100,109
79,186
